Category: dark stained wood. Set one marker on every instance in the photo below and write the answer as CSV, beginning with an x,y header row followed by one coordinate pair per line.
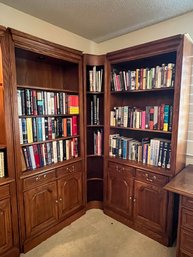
x,y
40,209
70,194
39,64
156,221
182,183
94,165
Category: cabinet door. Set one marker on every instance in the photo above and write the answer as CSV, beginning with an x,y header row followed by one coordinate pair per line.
x,y
120,192
5,226
70,193
40,208
150,206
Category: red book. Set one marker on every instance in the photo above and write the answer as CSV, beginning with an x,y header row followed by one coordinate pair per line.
x,y
49,128
151,114
74,126
36,156
143,119
161,116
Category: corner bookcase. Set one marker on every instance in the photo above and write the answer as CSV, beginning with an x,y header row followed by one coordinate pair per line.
x,y
147,117
9,243
94,104
48,133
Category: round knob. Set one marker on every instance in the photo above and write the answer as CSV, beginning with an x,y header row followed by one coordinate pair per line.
x,y
134,200
45,175
1,212
37,178
130,198
56,201
60,199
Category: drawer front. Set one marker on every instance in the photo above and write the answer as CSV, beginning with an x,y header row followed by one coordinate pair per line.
x,y
113,166
67,169
187,202
4,191
38,180
186,240
181,254
151,177
187,219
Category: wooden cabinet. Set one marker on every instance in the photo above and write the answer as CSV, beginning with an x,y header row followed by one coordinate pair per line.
x,y
40,208
9,240
6,240
120,189
94,103
70,194
141,136
47,93
150,206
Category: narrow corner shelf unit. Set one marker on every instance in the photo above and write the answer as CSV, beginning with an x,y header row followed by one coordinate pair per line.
x,y
94,104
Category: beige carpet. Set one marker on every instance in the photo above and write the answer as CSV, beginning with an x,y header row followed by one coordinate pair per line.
x,y
97,235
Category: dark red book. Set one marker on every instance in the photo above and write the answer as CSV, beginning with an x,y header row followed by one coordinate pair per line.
x,y
36,156
74,126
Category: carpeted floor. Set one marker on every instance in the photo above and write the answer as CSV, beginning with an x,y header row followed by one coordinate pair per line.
x,y
97,235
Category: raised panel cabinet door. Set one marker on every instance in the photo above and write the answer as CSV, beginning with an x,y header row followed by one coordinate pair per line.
x,y
70,194
40,208
150,206
6,241
120,193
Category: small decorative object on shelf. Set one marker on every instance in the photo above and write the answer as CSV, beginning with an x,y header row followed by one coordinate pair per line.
x,y
2,161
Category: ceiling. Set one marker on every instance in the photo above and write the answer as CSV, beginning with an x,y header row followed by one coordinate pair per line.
x,y
100,20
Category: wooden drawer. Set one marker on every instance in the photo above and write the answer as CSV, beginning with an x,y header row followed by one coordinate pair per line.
x,y
185,255
73,167
4,191
37,180
113,166
151,177
187,201
187,219
186,240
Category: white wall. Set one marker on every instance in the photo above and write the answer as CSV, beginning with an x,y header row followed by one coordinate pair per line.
x,y
179,25
10,17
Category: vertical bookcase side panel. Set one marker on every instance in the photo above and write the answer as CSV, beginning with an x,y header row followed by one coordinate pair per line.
x,y
185,77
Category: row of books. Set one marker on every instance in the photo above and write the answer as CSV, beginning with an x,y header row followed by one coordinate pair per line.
x,y
40,155
36,129
94,110
95,79
151,117
154,151
98,142
144,78
36,102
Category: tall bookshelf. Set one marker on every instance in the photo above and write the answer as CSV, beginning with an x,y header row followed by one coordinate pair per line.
x,y
94,103
147,117
9,244
48,133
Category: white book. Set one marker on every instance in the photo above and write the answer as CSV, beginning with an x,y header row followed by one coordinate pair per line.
x,y
61,150
55,157
2,166
19,102
43,129
31,151
20,131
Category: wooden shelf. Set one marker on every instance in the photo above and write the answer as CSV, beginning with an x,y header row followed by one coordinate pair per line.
x,y
91,179
51,140
6,180
94,155
139,165
48,89
148,130
94,93
51,115
144,90
95,126
30,173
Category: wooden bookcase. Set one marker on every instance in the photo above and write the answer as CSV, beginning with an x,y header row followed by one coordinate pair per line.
x,y
94,102
51,187
134,191
9,243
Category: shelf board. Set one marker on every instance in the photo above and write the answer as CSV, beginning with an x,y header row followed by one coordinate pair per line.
x,y
30,173
139,165
95,155
6,180
94,126
95,93
94,179
3,147
51,140
147,130
48,89
144,90
53,115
